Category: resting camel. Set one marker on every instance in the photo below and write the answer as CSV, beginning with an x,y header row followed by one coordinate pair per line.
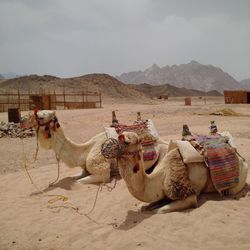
x,y
153,188
96,168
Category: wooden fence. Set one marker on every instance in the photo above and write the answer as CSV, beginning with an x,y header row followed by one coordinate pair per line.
x,y
62,100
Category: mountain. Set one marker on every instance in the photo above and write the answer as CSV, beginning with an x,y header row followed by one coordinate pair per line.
x,y
191,76
107,85
28,83
245,84
170,91
1,77
9,75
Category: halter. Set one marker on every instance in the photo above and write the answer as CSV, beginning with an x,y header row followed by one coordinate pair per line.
x,y
112,149
134,153
47,124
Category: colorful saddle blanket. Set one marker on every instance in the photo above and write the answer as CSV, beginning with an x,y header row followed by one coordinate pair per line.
x,y
221,160
146,132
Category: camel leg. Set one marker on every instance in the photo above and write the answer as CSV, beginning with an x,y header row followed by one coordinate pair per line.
x,y
78,176
92,179
178,205
149,207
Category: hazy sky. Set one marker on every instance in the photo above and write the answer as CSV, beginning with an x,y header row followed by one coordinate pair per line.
x,y
76,37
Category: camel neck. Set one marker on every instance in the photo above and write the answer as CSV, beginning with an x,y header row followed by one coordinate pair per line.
x,y
133,173
142,186
68,151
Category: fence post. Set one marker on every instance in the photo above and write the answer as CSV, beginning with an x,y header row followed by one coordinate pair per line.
x,y
64,97
100,96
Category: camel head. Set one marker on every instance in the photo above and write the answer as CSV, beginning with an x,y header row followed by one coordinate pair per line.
x,y
131,151
130,141
32,120
46,124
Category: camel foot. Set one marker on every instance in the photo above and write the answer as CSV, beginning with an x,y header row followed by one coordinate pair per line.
x,y
178,205
93,179
80,175
152,206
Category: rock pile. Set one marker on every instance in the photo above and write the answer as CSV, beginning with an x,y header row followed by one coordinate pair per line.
x,y
14,130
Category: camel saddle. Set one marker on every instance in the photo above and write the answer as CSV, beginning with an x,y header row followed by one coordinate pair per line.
x,y
220,157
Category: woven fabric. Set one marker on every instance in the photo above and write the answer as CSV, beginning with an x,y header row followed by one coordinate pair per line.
x,y
141,129
210,140
223,165
144,133
220,158
149,153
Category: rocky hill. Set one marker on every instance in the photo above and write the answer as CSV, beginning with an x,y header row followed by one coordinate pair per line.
x,y
28,83
107,85
245,84
9,75
191,76
170,91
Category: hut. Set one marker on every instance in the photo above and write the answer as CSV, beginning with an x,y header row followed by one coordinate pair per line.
x,y
42,102
236,96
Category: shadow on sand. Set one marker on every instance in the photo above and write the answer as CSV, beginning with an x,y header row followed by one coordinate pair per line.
x,y
134,218
203,198
65,183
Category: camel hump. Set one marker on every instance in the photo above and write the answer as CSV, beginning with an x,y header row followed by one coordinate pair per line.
x,y
177,185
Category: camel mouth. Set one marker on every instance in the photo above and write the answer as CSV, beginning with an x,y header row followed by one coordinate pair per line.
x,y
129,138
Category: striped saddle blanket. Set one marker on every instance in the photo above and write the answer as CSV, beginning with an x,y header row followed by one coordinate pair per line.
x,y
221,160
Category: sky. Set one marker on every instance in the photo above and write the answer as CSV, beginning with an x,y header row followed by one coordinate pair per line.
x,y
75,37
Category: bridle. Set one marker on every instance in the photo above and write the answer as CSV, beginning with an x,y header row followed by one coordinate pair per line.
x,y
114,149
47,125
133,154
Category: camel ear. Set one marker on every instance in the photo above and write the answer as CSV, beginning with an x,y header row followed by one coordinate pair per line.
x,y
121,138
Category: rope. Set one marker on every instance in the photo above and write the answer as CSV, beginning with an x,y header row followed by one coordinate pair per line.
x,y
109,188
57,197
58,172
62,197
37,144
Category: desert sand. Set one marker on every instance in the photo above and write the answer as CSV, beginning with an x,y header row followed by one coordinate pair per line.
x,y
30,220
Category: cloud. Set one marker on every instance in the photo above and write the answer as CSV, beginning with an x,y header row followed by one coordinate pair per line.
x,y
77,37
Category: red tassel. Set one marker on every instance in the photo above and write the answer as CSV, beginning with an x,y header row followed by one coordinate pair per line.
x,y
136,168
46,135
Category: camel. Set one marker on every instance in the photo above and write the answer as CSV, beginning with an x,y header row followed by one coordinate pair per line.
x,y
152,189
95,167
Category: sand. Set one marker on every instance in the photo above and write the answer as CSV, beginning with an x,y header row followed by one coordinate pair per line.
x,y
33,221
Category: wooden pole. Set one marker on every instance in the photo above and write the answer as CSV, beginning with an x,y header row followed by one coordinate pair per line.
x,y
100,96
114,119
54,98
19,104
87,95
64,97
83,98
